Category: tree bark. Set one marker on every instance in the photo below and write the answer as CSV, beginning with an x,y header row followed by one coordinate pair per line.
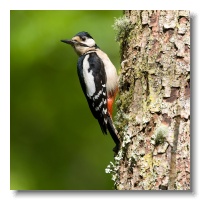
x,y
153,108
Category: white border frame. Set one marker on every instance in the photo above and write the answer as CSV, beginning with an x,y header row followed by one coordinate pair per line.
x,y
6,6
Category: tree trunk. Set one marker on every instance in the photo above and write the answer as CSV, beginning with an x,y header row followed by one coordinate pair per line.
x,y
153,108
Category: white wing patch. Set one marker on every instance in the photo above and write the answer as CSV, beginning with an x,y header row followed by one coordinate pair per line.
x,y
88,77
89,41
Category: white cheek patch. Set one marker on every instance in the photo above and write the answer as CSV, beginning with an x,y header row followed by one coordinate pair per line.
x,y
88,77
89,42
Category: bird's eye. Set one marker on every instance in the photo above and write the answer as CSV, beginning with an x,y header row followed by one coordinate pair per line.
x,y
83,38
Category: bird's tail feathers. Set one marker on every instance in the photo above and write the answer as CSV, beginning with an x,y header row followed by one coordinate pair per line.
x,y
113,133
106,123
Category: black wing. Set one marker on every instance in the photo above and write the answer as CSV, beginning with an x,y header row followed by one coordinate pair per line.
x,y
98,100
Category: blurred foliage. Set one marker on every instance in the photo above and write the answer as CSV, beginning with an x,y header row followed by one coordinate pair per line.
x,y
56,144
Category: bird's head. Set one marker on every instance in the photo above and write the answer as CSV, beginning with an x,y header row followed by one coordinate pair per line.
x,y
82,42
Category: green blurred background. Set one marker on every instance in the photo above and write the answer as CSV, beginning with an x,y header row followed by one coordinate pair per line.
x,y
56,144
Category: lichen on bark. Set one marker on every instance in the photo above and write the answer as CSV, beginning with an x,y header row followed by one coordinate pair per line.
x,y
153,108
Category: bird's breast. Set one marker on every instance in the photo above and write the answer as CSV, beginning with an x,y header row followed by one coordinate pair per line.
x,y
111,72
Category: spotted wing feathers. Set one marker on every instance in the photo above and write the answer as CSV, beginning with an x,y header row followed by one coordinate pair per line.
x,y
93,81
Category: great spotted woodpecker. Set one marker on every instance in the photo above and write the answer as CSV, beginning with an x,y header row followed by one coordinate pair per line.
x,y
98,79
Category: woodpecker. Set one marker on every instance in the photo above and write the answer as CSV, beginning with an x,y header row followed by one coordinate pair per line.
x,y
98,79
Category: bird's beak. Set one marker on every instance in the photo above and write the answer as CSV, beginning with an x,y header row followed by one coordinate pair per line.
x,y
68,42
